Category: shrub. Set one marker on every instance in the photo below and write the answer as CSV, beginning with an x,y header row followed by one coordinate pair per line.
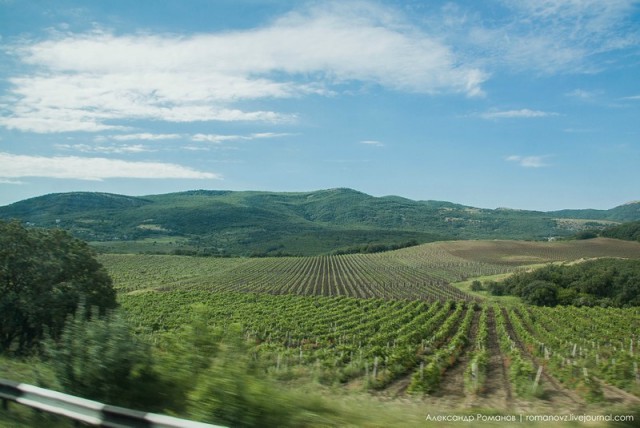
x,y
100,359
476,286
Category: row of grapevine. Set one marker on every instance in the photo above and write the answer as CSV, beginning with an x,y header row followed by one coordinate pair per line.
x,y
568,371
378,341
476,372
449,343
584,350
421,272
522,374
348,275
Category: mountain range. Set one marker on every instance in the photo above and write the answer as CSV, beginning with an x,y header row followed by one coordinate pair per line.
x,y
216,222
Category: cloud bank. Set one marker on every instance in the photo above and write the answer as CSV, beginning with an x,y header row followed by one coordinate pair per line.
x,y
100,81
86,168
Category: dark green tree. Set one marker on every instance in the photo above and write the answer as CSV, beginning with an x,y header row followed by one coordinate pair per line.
x,y
495,288
476,286
540,293
43,276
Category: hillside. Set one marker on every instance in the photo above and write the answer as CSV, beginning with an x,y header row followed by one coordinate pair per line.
x,y
420,272
626,212
304,223
629,231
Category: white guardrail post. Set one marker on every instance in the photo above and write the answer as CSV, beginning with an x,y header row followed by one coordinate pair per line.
x,y
87,411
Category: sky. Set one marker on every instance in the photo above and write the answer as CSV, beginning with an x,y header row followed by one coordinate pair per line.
x,y
496,103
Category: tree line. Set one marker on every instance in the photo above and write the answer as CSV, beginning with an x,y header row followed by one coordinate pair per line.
x,y
603,282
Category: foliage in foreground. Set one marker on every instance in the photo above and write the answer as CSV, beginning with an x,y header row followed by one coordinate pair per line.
x,y
101,359
43,276
200,372
217,372
233,390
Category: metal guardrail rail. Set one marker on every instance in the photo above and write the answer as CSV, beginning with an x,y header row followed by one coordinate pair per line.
x,y
87,411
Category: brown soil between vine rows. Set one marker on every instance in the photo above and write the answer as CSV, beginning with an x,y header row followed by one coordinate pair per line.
x,y
554,392
452,382
612,394
497,389
497,395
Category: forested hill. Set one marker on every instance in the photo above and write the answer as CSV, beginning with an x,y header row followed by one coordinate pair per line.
x,y
622,213
629,231
243,223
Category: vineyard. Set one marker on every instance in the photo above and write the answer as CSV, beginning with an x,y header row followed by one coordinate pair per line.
x,y
424,272
465,354
392,325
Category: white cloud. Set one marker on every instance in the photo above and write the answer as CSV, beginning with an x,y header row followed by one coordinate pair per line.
x,y
100,81
5,181
261,135
582,94
510,114
49,121
633,97
528,161
118,149
573,32
88,168
96,81
143,136
541,36
193,148
372,143
76,101
217,138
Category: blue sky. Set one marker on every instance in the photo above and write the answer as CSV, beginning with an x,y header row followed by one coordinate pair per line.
x,y
498,103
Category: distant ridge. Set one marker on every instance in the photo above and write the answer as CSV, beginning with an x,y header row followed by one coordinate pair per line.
x,y
300,223
41,208
629,211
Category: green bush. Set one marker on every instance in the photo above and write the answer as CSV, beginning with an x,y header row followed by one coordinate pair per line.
x,y
235,391
101,359
476,286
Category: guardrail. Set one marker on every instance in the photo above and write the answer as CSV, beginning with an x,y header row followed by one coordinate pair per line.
x,y
87,411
